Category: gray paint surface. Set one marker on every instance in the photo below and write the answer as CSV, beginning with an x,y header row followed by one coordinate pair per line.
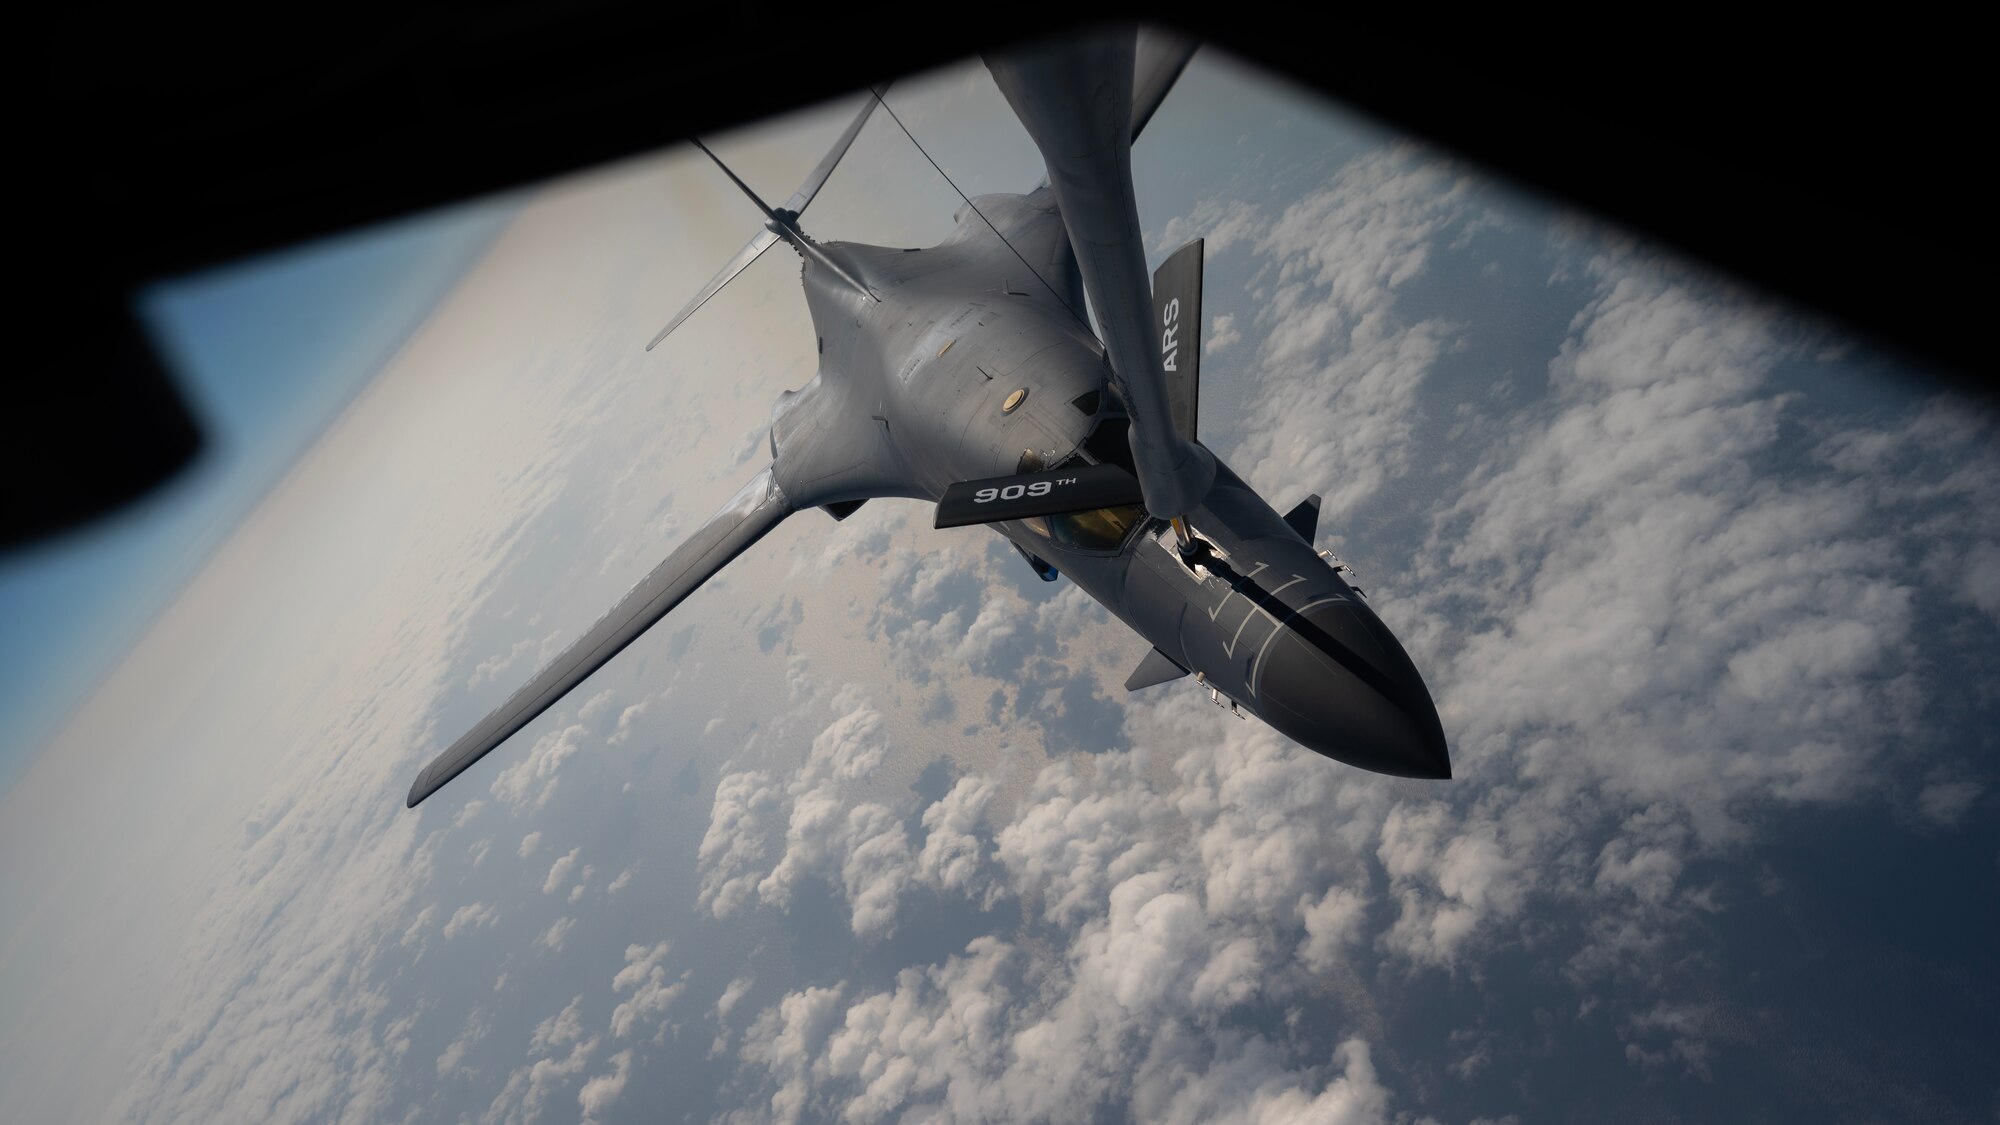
x,y
967,360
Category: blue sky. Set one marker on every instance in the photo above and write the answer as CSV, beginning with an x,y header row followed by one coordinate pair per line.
x,y
265,353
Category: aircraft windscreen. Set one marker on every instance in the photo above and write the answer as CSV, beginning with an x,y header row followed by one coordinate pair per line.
x,y
1100,530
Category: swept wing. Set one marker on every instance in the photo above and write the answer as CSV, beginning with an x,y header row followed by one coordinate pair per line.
x,y
754,511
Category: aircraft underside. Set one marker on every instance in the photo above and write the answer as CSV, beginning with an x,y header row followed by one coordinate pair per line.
x,y
967,375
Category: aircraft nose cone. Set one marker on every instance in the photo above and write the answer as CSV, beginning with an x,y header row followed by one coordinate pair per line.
x,y
1339,684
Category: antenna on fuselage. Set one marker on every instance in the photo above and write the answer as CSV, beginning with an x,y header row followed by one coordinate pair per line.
x,y
781,223
953,184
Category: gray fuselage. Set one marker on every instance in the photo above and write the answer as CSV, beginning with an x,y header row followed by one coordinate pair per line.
x,y
972,360
911,396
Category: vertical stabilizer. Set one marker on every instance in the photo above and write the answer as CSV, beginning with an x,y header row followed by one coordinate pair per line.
x,y
1177,322
1304,518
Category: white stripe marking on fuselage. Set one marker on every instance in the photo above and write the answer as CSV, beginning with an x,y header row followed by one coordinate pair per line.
x,y
1257,664
1256,608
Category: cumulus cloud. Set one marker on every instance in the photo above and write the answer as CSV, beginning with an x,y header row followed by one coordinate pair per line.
x,y
863,848
930,600
528,1088
995,642
1222,332
1659,628
866,536
1333,924
866,845
1980,583
1339,366
954,852
598,705
1081,833
966,1041
783,1041
414,932
645,977
725,1004
628,721
1449,880
1249,1083
1222,223
733,848
477,1025
731,995
527,784
1684,1030
471,917
494,667
559,871
1155,945
850,747
1944,800
552,939
602,1090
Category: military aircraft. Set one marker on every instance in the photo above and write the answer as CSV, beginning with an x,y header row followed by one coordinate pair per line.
x,y
966,374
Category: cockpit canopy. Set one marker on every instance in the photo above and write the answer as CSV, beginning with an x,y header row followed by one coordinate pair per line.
x,y
1103,529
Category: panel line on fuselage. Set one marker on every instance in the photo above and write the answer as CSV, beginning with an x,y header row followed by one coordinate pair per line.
x,y
1255,609
1258,662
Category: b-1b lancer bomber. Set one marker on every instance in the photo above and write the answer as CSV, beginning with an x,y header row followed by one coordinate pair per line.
x,y
965,375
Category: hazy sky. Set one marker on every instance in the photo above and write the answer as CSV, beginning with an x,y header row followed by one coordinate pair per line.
x,y
868,828
265,353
